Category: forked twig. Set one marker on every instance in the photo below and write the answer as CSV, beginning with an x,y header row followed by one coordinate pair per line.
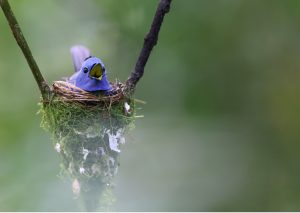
x,y
149,42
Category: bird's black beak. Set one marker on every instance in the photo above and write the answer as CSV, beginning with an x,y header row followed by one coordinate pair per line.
x,y
96,72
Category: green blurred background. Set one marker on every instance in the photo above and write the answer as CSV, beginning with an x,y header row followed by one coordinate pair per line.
x,y
222,119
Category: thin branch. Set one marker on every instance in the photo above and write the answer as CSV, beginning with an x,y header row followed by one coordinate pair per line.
x,y
149,42
16,30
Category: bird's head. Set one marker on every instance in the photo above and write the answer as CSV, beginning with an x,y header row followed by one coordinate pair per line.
x,y
92,75
93,67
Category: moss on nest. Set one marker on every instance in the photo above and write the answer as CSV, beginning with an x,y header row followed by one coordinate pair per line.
x,y
87,135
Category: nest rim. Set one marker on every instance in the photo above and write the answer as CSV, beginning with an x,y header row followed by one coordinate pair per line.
x,y
67,92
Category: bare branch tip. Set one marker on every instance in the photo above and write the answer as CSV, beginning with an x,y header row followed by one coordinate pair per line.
x,y
21,41
150,41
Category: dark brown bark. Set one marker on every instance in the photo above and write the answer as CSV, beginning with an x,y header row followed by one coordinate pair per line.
x,y
149,42
16,30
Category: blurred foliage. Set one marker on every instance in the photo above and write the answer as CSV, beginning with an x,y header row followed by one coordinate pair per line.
x,y
221,123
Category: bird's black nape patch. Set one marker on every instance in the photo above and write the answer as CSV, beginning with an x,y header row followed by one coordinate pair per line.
x,y
88,58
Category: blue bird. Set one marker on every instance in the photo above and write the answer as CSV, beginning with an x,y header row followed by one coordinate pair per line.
x,y
90,73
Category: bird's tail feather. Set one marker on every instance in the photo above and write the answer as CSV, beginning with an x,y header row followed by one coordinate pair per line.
x,y
79,53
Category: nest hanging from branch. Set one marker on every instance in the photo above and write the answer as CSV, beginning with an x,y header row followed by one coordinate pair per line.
x,y
88,131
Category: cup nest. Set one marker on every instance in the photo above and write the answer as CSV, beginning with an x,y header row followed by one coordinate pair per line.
x,y
88,130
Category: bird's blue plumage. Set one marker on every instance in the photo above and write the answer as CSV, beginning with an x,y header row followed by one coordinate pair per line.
x,y
91,76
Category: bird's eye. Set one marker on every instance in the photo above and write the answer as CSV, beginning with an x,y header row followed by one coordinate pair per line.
x,y
85,70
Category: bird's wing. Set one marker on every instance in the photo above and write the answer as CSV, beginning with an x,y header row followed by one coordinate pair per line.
x,y
73,78
79,53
